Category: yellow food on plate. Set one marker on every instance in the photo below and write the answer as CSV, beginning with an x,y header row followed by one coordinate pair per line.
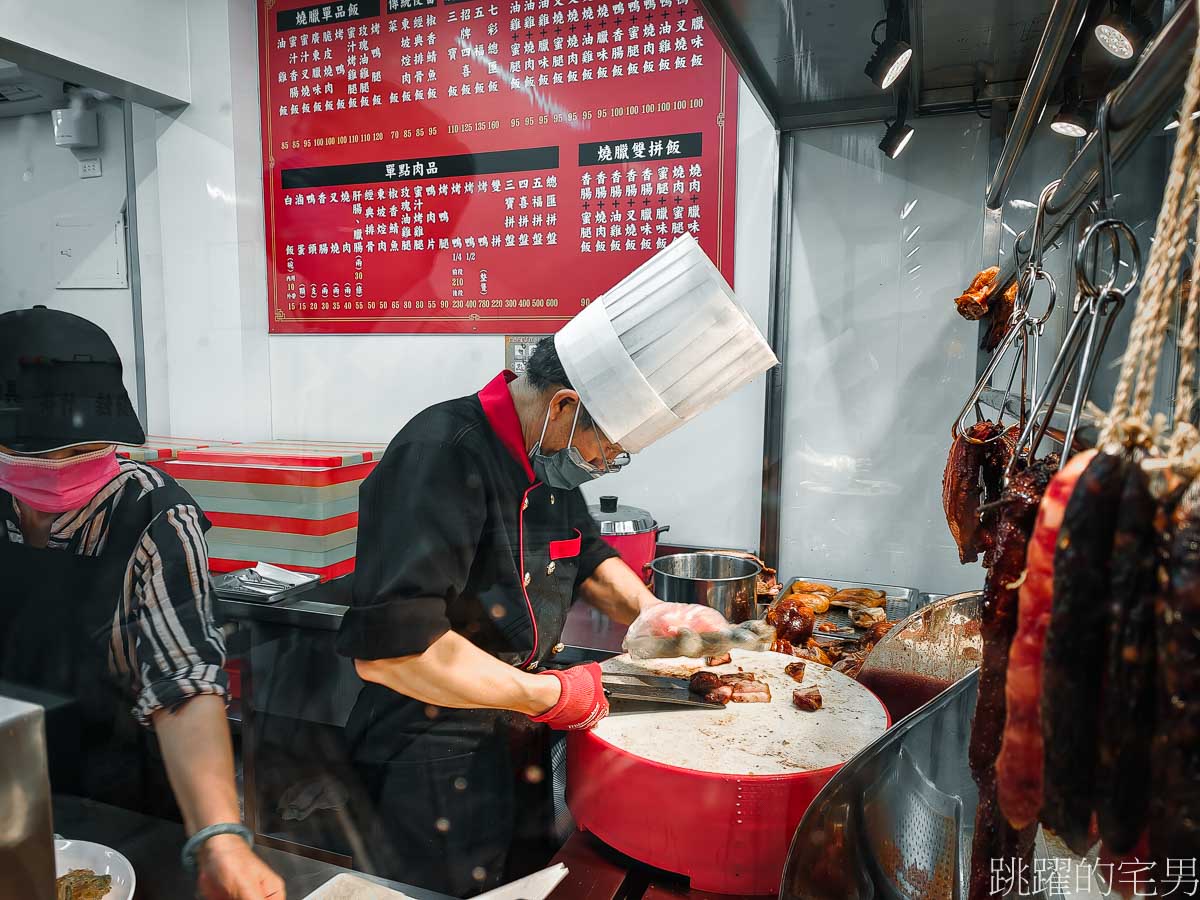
x,y
83,884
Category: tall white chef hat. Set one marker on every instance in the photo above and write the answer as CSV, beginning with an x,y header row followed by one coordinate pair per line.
x,y
664,345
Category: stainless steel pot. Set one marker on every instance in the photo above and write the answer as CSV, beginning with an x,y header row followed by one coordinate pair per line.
x,y
726,583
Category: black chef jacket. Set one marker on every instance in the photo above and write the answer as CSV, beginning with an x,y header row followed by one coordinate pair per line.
x,y
456,533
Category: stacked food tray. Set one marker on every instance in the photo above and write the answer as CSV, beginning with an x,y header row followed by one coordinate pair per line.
x,y
901,602
159,447
293,504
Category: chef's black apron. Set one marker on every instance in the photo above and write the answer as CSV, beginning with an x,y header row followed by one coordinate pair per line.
x,y
56,624
442,781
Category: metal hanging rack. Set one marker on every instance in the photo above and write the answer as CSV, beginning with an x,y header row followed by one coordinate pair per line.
x,y
1135,108
1024,332
1095,310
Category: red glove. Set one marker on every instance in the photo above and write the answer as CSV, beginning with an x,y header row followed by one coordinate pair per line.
x,y
582,703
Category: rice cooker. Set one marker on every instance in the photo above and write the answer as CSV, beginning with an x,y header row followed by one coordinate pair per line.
x,y
632,532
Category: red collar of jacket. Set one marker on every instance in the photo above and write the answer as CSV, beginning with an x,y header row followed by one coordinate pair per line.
x,y
502,416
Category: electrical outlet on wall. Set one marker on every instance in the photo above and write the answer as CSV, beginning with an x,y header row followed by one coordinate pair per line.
x,y
89,168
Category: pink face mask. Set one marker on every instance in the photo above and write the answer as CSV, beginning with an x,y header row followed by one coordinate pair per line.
x,y
57,485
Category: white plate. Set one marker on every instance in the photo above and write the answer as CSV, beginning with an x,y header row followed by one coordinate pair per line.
x,y
102,860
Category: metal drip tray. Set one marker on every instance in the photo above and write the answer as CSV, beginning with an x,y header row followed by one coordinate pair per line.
x,y
896,821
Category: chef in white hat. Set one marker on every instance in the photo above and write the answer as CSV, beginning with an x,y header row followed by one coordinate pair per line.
x,y
474,540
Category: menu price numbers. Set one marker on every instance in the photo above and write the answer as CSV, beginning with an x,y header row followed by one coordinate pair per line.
x,y
469,127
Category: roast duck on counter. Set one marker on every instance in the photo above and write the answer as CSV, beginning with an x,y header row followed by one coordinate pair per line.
x,y
1088,715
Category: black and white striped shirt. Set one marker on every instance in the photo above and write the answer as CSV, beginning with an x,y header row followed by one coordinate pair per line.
x,y
173,651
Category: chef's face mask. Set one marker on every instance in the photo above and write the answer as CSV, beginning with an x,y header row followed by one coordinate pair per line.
x,y
57,485
566,469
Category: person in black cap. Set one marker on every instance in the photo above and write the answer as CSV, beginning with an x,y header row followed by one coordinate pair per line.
x,y
106,605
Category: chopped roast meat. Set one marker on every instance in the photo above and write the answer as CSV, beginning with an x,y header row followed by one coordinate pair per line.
x,y
851,663
808,699
994,837
720,694
860,597
1123,774
795,671
814,652
793,620
1076,641
702,682
1019,766
1175,753
973,303
719,660
737,677
876,632
784,647
867,618
751,692
828,628
961,487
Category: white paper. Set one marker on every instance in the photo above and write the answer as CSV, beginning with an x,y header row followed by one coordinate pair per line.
x,y
266,570
533,887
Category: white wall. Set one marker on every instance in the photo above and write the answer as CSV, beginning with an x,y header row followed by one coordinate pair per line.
x,y
878,360
40,182
143,43
214,308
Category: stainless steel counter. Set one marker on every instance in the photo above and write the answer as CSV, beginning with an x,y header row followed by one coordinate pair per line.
x,y
152,846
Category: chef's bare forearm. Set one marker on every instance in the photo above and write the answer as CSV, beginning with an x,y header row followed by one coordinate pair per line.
x,y
198,754
615,590
455,673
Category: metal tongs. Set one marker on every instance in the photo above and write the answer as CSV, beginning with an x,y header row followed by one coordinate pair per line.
x,y
1095,312
1024,329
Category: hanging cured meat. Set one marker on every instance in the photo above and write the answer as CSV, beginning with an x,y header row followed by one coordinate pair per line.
x,y
1175,809
1123,767
961,487
972,304
994,838
1001,312
1019,766
1076,642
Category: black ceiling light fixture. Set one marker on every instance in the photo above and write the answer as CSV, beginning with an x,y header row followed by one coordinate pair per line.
x,y
893,54
1122,32
899,132
1072,120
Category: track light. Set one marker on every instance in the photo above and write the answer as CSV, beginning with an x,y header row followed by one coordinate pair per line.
x,y
1122,33
1071,120
896,138
888,63
893,54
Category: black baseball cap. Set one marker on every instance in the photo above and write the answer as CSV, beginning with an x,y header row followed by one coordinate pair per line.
x,y
60,384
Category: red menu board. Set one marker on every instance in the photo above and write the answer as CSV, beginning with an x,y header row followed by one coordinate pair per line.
x,y
485,167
